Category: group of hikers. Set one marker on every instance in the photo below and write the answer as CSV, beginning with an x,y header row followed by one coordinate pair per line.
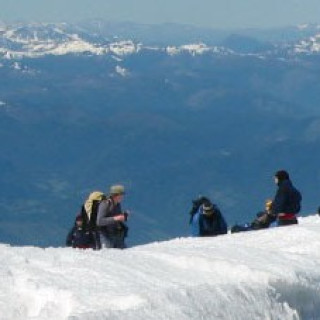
x,y
102,223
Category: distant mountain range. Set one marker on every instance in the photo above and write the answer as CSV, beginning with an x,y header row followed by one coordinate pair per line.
x,y
171,115
35,40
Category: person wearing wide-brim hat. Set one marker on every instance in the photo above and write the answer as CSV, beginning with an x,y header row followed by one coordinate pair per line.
x,y
111,220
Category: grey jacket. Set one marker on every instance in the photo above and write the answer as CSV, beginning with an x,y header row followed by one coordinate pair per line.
x,y
105,217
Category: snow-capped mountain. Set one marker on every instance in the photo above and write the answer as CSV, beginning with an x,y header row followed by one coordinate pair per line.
x,y
196,49
38,39
309,46
35,40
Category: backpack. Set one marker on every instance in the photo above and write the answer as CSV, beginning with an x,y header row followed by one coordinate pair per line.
x,y
297,199
89,210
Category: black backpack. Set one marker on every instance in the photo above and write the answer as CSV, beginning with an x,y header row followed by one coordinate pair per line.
x,y
92,204
296,200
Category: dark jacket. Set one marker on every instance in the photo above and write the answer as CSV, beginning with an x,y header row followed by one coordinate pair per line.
x,y
206,226
105,222
79,238
287,199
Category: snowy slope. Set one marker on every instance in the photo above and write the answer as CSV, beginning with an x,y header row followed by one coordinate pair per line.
x,y
270,274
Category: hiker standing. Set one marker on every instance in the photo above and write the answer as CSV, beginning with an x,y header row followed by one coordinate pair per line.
x,y
111,220
286,203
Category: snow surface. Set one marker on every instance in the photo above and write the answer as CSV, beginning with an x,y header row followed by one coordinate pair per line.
x,y
269,274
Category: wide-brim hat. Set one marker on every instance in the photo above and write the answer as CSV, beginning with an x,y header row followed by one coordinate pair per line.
x,y
117,190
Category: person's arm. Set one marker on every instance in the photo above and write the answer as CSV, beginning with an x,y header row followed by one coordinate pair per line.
x,y
194,225
279,202
223,227
103,218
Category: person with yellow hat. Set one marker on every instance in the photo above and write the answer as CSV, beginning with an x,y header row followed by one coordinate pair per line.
x,y
264,218
262,221
111,220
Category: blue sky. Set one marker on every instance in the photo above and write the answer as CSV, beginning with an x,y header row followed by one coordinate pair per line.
x,y
209,13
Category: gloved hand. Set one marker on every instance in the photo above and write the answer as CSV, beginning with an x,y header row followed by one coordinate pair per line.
x,y
126,215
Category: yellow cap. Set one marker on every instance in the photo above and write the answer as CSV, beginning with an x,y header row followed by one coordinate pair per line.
x,y
268,203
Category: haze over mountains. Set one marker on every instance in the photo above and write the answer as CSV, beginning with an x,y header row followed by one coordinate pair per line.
x,y
169,111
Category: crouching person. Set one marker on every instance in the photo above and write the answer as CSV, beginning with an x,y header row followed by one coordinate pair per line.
x,y
262,221
79,237
264,218
206,219
111,225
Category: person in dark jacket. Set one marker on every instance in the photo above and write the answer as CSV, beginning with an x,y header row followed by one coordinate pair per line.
x,y
287,201
111,220
206,219
78,237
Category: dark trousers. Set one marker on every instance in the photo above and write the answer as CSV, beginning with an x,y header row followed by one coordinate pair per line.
x,y
96,240
115,240
287,222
